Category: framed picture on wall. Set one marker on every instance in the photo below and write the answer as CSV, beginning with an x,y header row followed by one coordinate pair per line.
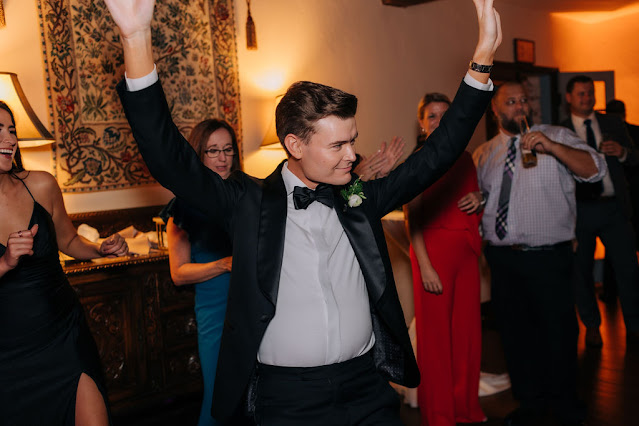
x,y
524,51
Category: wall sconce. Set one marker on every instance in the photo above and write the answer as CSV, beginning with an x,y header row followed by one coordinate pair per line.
x,y
271,141
31,132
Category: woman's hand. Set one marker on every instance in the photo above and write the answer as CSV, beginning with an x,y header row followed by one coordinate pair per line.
x,y
19,244
225,263
391,154
431,281
471,202
370,166
114,246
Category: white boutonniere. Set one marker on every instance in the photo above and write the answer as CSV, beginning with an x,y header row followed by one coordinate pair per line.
x,y
354,194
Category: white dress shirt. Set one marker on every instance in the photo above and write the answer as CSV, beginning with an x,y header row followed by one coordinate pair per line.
x,y
322,314
580,129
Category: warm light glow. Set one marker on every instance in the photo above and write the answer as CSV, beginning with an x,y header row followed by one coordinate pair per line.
x,y
31,132
600,250
261,163
597,17
600,95
271,80
270,139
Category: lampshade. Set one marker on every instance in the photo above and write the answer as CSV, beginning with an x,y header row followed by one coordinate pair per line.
x,y
31,132
271,141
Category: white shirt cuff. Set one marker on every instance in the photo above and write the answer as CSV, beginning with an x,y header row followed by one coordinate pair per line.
x,y
470,80
135,84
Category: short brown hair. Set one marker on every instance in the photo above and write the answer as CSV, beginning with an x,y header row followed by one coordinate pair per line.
x,y
202,132
305,103
17,159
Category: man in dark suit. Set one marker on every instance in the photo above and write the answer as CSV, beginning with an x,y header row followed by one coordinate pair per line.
x,y
604,210
618,108
314,329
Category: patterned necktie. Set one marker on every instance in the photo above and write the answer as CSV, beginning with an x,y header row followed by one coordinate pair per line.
x,y
501,225
303,196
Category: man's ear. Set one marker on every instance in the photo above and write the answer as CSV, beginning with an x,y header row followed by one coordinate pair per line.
x,y
293,145
568,98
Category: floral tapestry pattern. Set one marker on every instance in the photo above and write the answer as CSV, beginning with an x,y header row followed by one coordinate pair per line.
x,y
195,52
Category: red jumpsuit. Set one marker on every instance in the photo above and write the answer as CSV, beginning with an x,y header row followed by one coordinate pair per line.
x,y
449,324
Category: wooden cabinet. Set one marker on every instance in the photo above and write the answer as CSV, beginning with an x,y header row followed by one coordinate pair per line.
x,y
144,327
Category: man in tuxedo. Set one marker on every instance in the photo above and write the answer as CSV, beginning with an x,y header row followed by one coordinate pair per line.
x,y
529,223
604,210
314,329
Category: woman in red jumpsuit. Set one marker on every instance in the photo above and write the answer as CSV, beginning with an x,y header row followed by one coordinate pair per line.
x,y
443,224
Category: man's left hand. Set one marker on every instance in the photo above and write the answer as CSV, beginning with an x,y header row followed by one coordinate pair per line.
x,y
612,148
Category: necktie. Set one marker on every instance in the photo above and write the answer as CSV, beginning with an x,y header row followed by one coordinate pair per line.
x,y
590,135
596,188
501,225
303,196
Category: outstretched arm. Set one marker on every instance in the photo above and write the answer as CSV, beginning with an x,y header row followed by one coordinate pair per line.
x,y
133,17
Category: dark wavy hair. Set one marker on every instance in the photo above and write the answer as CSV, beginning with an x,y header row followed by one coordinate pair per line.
x,y
202,132
17,159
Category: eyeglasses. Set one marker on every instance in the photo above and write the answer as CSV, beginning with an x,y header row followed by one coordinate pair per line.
x,y
214,153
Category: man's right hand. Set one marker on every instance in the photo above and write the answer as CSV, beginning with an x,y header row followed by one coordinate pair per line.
x,y
489,36
133,18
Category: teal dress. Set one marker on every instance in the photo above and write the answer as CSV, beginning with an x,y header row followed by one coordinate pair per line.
x,y
208,243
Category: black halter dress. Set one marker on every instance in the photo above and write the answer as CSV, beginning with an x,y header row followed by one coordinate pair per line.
x,y
45,343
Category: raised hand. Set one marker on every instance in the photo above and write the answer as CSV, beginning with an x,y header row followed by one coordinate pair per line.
x,y
489,30
370,166
131,16
19,244
391,155
114,246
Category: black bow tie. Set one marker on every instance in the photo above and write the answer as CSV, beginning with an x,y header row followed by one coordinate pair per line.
x,y
303,196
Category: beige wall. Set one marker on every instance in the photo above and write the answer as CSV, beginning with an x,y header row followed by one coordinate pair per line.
x,y
387,56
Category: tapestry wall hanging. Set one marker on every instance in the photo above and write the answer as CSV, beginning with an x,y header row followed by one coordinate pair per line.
x,y
195,53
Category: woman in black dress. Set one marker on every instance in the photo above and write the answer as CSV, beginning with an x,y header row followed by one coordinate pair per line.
x,y
49,367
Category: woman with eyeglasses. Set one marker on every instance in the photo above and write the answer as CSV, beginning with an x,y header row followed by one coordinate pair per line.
x,y
200,253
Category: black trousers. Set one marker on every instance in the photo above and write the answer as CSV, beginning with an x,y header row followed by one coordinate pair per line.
x,y
604,219
533,300
347,393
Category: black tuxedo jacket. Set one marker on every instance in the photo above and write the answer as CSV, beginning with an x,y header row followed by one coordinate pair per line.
x,y
253,211
614,128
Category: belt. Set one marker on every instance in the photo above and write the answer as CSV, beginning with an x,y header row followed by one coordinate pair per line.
x,y
524,247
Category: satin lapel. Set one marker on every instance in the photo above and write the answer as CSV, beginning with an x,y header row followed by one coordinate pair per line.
x,y
360,234
270,242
